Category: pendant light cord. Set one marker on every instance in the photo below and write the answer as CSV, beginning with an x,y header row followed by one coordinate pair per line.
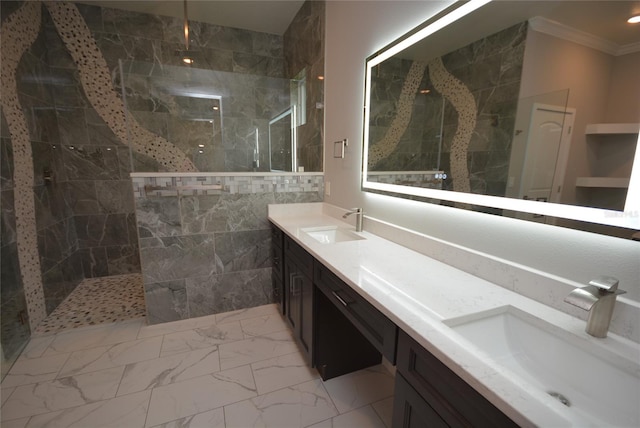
x,y
186,27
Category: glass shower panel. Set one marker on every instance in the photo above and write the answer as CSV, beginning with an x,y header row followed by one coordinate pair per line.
x,y
218,120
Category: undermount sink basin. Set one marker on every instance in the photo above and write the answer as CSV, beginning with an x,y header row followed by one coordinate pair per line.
x,y
599,388
331,234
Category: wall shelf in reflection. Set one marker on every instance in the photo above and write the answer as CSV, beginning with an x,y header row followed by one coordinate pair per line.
x,y
608,182
612,128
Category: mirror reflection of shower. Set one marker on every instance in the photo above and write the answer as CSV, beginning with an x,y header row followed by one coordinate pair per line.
x,y
282,141
256,148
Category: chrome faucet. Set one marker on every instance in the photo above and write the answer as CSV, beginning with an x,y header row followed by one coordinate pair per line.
x,y
599,298
359,214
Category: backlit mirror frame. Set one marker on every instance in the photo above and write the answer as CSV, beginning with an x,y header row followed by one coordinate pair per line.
x,y
629,218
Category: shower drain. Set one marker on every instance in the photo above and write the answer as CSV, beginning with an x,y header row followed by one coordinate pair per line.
x,y
561,398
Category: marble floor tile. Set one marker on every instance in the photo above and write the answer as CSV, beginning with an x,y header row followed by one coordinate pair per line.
x,y
211,419
200,394
384,409
263,325
243,314
168,370
25,371
15,423
119,412
63,393
364,417
360,388
240,369
37,346
202,337
257,348
5,393
104,357
92,337
280,372
296,406
176,326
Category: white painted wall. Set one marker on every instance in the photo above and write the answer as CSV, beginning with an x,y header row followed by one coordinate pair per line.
x,y
600,89
356,30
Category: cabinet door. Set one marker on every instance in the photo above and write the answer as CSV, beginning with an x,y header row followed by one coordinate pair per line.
x,y
457,403
410,410
305,288
291,297
277,262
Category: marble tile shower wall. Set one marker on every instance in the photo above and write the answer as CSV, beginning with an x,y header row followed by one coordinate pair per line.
x,y
13,332
93,173
214,140
244,68
56,237
304,49
209,251
491,69
85,218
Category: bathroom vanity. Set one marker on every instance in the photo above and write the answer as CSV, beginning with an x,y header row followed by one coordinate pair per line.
x,y
340,332
352,298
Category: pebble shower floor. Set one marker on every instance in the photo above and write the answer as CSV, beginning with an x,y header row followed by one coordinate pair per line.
x,y
98,301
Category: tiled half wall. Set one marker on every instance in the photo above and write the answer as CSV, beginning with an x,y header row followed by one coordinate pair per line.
x,y
204,249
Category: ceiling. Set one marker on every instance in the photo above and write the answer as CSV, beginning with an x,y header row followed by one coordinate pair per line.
x,y
265,16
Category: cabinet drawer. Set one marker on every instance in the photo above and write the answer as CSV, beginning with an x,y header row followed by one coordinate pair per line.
x,y
457,403
372,323
299,256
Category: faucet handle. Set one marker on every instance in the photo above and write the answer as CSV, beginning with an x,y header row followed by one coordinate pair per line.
x,y
605,283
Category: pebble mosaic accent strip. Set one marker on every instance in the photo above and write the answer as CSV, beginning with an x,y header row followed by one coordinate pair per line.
x,y
96,81
98,301
385,147
18,33
465,105
184,186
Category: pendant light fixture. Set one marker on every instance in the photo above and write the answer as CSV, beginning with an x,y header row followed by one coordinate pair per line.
x,y
186,58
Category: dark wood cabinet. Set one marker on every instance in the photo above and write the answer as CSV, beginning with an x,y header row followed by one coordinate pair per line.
x,y
440,390
410,410
298,295
277,263
340,332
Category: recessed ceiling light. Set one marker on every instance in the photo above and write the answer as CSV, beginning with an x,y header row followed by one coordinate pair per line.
x,y
634,19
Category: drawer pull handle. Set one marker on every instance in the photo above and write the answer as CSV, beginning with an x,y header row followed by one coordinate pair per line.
x,y
340,299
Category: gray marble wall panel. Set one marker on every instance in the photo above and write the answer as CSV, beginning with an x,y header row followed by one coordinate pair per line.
x,y
205,251
102,230
229,291
177,257
304,50
158,217
61,280
166,301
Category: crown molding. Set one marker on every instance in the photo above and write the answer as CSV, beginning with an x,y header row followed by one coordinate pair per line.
x,y
562,31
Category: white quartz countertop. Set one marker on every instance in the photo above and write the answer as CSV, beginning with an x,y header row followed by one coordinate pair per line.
x,y
417,292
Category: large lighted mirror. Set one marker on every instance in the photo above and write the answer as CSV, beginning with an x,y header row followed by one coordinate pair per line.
x,y
528,109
